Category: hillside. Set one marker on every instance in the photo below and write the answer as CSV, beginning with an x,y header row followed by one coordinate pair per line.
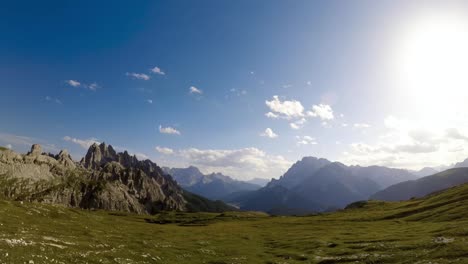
x,y
423,186
428,230
103,179
213,186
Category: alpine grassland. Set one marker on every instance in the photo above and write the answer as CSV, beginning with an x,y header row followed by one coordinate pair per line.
x,y
433,229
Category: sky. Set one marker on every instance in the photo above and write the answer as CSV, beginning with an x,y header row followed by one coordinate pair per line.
x,y
245,88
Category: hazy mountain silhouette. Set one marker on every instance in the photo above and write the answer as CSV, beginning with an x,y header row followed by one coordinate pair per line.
x,y
212,186
423,186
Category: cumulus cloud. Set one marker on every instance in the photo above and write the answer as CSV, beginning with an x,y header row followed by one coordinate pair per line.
x,y
73,83
84,143
456,134
285,109
322,111
243,163
294,110
409,144
306,140
149,101
269,133
168,130
298,124
165,151
271,115
157,70
139,76
195,90
93,86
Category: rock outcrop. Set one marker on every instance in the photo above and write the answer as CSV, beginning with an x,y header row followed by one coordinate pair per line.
x,y
103,179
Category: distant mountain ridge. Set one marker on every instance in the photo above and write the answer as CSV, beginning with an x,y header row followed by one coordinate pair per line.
x,y
103,179
213,186
315,184
423,186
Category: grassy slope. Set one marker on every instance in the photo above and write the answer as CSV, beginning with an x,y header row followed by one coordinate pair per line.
x,y
417,231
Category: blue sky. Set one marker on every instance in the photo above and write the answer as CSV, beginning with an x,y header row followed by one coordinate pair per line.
x,y
76,72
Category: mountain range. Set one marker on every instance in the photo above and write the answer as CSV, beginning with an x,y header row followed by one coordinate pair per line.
x,y
106,179
213,186
103,179
314,184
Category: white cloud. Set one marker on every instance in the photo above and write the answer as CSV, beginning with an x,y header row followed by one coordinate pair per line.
x,y
149,101
293,110
241,163
168,130
73,83
271,115
139,76
309,83
269,133
84,143
244,163
294,126
306,140
157,70
51,99
165,151
285,109
456,134
361,125
322,111
93,87
195,90
410,144
9,146
298,124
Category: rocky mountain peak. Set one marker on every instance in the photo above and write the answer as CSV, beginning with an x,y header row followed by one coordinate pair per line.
x,y
111,181
65,159
98,155
36,150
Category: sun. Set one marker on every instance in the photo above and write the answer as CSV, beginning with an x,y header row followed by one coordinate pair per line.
x,y
431,64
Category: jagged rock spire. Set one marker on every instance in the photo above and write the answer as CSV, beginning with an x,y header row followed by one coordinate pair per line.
x,y
36,150
98,155
65,159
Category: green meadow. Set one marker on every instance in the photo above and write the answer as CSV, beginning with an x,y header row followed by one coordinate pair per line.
x,y
429,230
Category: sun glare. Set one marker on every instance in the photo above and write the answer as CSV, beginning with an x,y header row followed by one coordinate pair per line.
x,y
432,65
